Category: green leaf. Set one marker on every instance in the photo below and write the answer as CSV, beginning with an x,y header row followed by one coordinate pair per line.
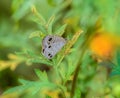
x,y
62,6
33,86
11,90
20,53
36,34
22,9
118,58
32,57
61,30
30,53
48,96
38,16
26,85
77,93
22,81
41,60
116,68
50,24
115,71
40,25
41,75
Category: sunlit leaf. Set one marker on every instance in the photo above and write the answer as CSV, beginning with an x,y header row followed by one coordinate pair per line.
x,y
49,24
34,86
42,75
23,81
36,34
38,15
61,30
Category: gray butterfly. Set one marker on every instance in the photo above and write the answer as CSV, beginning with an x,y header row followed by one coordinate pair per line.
x,y
51,45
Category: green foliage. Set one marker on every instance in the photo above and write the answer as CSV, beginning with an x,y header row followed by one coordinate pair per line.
x,y
42,75
34,58
35,86
74,72
116,67
31,57
118,58
21,9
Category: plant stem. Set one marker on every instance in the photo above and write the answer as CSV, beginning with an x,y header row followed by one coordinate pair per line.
x,y
62,90
69,45
76,74
83,50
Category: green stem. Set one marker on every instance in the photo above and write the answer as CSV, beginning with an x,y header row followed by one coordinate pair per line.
x,y
76,74
69,45
83,50
62,90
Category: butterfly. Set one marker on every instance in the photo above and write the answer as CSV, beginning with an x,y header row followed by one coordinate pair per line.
x,y
51,45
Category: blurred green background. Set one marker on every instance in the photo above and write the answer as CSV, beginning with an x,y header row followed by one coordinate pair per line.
x,y
18,20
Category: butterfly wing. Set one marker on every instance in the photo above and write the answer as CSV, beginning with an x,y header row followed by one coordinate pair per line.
x,y
52,44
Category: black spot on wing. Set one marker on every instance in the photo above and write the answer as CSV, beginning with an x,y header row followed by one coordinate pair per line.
x,y
50,39
49,46
43,50
50,55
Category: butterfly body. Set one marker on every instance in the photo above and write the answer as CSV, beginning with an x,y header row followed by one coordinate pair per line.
x,y
51,45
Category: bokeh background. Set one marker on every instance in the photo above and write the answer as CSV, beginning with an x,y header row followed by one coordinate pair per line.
x,y
99,19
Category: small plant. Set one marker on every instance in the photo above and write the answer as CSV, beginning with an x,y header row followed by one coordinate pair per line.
x,y
55,63
75,71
